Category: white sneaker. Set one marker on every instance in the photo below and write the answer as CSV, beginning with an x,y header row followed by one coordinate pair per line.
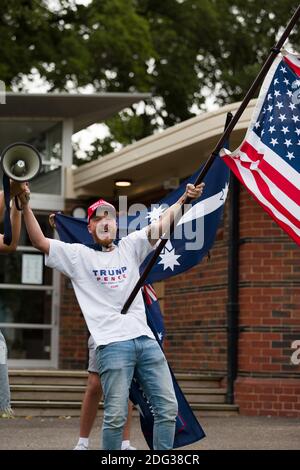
x,y
81,447
129,448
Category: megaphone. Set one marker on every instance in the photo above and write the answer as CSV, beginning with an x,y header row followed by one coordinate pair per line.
x,y
20,162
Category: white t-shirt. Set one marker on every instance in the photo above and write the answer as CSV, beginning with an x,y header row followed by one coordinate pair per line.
x,y
102,281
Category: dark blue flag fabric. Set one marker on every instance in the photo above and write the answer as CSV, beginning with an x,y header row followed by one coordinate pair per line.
x,y
188,429
154,315
72,230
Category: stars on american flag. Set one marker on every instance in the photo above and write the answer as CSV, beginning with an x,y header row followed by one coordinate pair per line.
x,y
278,124
287,142
274,142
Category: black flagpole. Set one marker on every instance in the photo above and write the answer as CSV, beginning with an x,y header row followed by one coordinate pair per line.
x,y
273,53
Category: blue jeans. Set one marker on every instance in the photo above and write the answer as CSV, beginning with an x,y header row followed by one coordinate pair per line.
x,y
117,363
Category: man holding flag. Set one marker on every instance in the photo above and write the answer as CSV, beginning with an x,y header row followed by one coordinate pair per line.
x,y
102,276
199,226
200,221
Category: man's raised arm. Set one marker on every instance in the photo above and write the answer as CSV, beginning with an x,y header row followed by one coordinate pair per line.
x,y
160,227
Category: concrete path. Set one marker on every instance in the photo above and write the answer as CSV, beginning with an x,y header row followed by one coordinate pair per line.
x,y
236,432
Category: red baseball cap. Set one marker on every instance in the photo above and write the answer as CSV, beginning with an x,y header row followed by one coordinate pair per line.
x,y
100,208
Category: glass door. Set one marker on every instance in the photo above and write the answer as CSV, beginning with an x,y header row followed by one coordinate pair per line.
x,y
29,305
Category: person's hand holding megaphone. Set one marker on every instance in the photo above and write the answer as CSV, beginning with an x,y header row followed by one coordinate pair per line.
x,y
17,188
24,195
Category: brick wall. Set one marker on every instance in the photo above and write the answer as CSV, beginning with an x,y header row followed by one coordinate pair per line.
x,y
195,313
269,300
268,396
73,333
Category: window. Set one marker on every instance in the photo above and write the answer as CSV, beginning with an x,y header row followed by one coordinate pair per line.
x,y
46,137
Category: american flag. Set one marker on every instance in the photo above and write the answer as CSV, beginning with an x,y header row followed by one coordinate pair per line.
x,y
268,160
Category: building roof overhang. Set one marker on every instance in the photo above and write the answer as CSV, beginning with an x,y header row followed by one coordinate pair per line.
x,y
175,152
84,109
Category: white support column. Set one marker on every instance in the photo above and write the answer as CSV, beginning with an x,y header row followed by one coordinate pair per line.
x,y
67,154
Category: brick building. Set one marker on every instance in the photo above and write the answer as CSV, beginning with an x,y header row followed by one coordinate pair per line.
x,y
261,302
236,314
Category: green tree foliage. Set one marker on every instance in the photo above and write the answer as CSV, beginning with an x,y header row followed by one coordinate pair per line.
x,y
23,27
177,50
248,31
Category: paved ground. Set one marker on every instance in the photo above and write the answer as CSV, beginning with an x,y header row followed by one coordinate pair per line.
x,y
237,432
